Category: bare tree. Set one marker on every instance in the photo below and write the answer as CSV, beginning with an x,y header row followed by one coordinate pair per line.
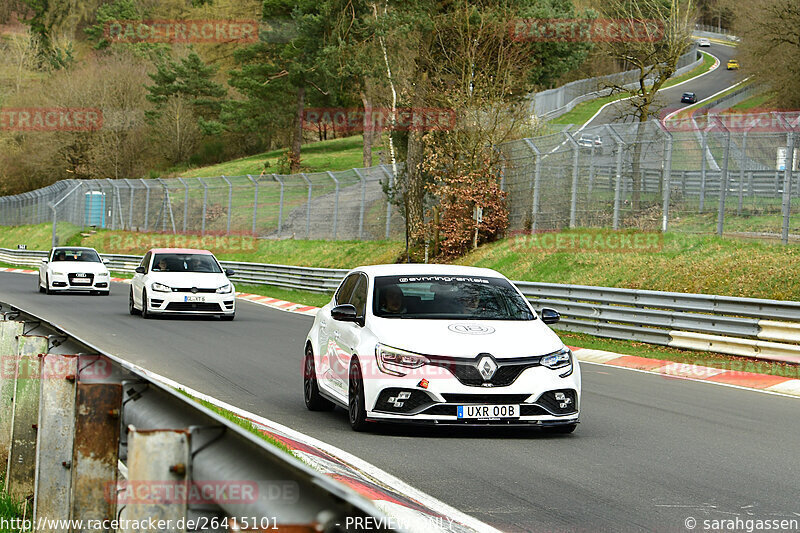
x,y
666,35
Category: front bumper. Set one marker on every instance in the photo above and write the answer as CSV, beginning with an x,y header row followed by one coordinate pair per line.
x,y
68,283
543,396
176,303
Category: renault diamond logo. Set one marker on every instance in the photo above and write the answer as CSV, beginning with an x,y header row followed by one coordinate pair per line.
x,y
487,367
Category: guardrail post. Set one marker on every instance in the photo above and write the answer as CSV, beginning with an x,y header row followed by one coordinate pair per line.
x,y
95,455
388,200
535,185
573,204
230,203
9,331
255,202
335,203
205,204
55,436
280,204
363,202
25,417
161,458
308,204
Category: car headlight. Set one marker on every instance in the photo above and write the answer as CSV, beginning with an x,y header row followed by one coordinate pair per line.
x,y
58,273
102,275
225,289
392,357
160,287
559,359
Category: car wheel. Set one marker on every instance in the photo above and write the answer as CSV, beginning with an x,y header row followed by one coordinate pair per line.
x,y
355,399
47,288
562,429
131,308
145,313
105,293
39,282
228,317
314,400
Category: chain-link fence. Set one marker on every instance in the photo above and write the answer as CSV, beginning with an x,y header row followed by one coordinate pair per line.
x,y
720,173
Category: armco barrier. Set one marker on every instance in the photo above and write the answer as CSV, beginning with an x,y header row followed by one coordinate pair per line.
x,y
86,425
653,317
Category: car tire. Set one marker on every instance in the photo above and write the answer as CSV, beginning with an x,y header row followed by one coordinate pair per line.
x,y
145,313
131,308
357,413
313,398
105,293
227,318
47,288
562,429
39,282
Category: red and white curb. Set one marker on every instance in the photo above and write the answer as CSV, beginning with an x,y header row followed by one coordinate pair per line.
x,y
278,304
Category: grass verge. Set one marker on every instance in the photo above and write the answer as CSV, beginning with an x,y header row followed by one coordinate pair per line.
x,y
10,510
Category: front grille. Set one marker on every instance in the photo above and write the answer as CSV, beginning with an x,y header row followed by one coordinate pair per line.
x,y
73,277
559,407
189,289
416,400
467,371
192,306
532,410
486,399
441,410
228,304
156,303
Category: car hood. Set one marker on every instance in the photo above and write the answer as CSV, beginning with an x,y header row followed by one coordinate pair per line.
x,y
503,339
78,266
187,280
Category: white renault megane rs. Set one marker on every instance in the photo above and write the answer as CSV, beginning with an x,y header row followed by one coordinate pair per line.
x,y
182,280
74,269
439,344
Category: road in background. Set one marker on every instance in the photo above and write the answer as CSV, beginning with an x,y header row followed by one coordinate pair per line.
x,y
650,451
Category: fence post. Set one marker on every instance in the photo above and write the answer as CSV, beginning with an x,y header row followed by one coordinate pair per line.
x,y
9,331
230,203
703,148
255,202
280,205
130,208
205,203
185,202
388,200
787,184
573,203
363,202
54,239
667,173
620,144
308,204
723,185
535,185
335,203
742,164
146,204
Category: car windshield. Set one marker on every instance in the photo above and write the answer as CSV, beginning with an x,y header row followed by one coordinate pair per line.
x,y
448,297
688,95
185,263
66,254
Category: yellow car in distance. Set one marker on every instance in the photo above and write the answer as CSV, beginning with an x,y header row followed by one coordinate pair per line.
x,y
733,64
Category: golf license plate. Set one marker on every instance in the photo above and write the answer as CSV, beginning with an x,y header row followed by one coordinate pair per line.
x,y
195,299
487,412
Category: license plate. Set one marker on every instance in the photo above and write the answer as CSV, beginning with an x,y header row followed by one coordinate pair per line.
x,y
486,412
194,298
85,281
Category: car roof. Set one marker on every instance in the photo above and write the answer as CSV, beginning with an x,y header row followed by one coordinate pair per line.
x,y
418,269
74,248
180,251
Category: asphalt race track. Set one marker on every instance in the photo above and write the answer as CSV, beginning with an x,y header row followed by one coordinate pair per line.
x,y
669,99
650,451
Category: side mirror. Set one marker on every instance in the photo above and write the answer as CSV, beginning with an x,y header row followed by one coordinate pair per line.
x,y
139,270
344,313
45,261
229,272
105,261
549,316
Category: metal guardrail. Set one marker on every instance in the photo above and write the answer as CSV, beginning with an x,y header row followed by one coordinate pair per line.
x,y
641,315
94,414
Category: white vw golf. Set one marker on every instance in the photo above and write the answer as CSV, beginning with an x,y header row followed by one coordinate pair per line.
x,y
74,269
439,344
181,280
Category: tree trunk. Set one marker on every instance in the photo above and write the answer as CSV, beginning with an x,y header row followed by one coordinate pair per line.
x,y
297,137
369,128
